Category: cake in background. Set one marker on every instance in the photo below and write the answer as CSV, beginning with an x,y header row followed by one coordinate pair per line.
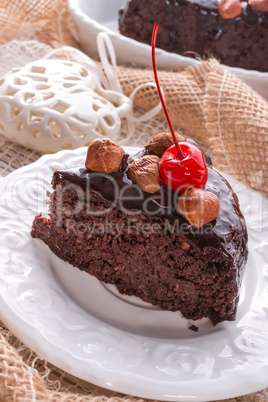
x,y
233,31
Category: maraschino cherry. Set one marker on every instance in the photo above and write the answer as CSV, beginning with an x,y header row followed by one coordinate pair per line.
x,y
182,165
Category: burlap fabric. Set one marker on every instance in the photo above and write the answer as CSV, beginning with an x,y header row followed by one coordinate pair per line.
x,y
46,20
208,102
217,109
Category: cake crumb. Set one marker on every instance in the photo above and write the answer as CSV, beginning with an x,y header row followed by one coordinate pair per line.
x,y
194,328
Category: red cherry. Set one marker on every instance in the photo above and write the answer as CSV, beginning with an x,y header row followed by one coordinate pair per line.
x,y
179,174
182,165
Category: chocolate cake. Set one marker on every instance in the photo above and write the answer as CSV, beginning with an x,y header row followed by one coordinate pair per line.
x,y
233,31
115,220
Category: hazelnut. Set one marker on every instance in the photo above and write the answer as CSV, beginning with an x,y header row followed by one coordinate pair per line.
x,y
161,142
229,8
198,206
145,173
259,5
103,155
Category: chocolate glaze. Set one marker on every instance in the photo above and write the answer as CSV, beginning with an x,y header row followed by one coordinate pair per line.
x,y
205,8
211,6
227,232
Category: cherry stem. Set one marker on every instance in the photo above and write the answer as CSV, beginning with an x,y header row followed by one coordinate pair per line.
x,y
179,151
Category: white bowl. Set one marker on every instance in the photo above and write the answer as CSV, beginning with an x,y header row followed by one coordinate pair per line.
x,y
94,16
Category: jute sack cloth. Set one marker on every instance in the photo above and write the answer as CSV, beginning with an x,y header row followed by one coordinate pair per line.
x,y
48,21
207,101
217,109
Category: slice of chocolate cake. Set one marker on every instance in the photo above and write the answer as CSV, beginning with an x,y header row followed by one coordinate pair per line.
x,y
115,220
233,31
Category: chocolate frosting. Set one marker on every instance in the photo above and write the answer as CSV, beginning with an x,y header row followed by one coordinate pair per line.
x,y
227,232
205,7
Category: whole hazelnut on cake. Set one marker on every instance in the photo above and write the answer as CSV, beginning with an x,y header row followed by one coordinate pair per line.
x,y
161,142
145,173
104,155
198,206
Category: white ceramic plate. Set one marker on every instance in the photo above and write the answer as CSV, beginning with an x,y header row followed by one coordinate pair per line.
x,y
116,342
94,16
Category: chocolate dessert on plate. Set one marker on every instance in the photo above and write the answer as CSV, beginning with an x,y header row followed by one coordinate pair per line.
x,y
116,220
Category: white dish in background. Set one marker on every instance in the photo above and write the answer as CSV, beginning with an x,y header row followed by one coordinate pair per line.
x,y
119,343
94,16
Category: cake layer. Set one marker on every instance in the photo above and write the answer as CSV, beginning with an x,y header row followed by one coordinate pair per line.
x,y
194,28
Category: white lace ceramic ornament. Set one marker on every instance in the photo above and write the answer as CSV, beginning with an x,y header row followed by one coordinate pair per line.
x,y
53,104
